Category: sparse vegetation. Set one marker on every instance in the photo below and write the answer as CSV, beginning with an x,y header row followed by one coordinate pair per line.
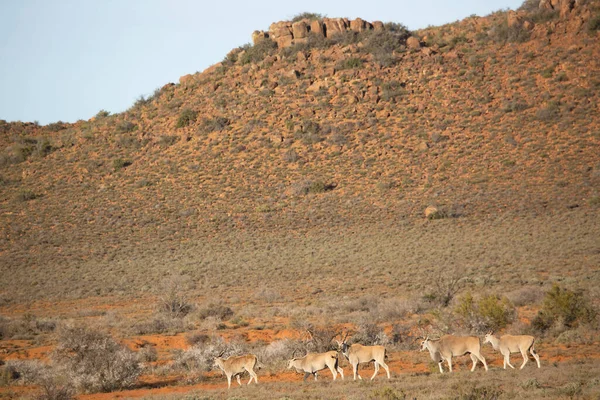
x,y
187,117
293,209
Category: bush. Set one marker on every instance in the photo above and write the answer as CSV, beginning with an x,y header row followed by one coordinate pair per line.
x,y
94,361
349,63
201,357
382,44
502,33
102,114
391,90
258,52
307,15
25,372
214,124
126,126
120,163
370,334
26,195
593,24
215,310
387,393
173,301
565,307
488,313
186,118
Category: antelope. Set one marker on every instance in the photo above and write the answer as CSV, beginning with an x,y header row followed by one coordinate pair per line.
x,y
357,353
448,346
312,363
235,366
512,344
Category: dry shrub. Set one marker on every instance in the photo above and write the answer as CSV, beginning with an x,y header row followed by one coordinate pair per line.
x,y
200,358
26,327
444,287
94,361
54,386
387,393
148,354
275,355
525,296
160,324
370,334
173,300
25,372
395,309
268,295
219,311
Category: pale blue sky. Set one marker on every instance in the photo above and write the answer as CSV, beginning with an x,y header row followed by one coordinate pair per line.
x,y
68,59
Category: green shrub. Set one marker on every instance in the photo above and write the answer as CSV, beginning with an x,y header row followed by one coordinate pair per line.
x,y
349,63
593,24
563,306
307,15
102,114
214,124
497,312
488,313
126,126
26,195
383,44
56,126
120,163
258,52
186,118
387,393
502,33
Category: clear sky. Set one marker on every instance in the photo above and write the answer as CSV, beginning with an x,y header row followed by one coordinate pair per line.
x,y
68,59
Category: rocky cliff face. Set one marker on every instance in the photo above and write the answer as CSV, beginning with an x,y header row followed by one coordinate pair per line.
x,y
288,33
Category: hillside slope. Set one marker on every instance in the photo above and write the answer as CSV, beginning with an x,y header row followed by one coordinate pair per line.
x,y
486,118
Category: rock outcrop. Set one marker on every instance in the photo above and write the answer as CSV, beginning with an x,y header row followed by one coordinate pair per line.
x,y
288,33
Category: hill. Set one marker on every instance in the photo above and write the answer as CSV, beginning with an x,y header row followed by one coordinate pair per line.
x,y
290,182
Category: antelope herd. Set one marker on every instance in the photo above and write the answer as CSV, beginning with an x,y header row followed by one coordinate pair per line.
x,y
440,350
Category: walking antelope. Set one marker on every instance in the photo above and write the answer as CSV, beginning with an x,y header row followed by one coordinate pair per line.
x,y
312,363
448,346
357,353
513,344
236,365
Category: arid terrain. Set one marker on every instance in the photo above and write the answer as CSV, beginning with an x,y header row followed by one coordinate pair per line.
x,y
379,183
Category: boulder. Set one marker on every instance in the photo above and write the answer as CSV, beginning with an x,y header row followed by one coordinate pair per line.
x,y
413,43
281,33
300,30
514,19
432,212
257,36
360,25
316,27
335,26
378,26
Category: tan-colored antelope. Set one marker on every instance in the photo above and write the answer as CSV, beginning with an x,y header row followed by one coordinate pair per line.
x,y
236,365
507,344
312,363
357,354
449,346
